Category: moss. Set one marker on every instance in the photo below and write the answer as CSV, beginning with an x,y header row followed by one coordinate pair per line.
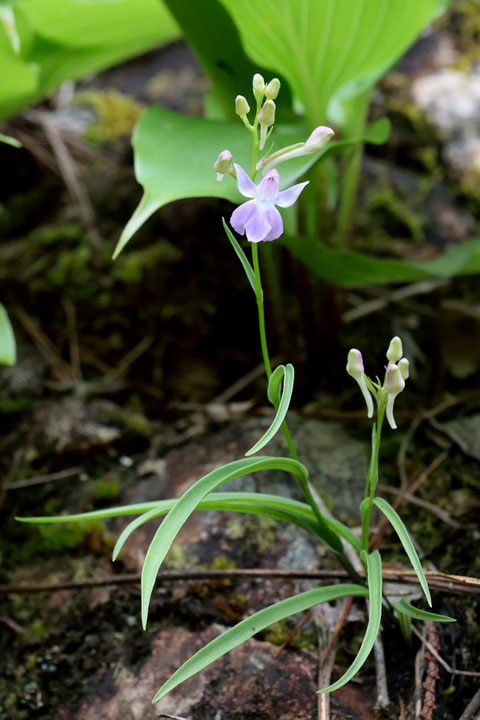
x,y
116,114
107,488
280,632
58,538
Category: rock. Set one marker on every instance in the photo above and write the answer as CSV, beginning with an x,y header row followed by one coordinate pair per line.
x,y
464,431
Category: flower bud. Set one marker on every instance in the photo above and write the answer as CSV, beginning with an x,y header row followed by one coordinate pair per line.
x,y
272,89
395,350
241,106
355,369
318,139
394,384
404,367
266,118
355,363
223,164
258,87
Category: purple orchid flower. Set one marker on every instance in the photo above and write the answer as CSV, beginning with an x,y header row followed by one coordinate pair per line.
x,y
259,218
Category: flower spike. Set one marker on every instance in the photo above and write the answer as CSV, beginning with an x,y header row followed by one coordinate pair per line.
x,y
356,370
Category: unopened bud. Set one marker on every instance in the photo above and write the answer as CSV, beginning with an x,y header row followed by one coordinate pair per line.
x,y
355,363
223,164
241,106
258,87
266,118
356,370
318,139
272,89
395,350
394,384
404,367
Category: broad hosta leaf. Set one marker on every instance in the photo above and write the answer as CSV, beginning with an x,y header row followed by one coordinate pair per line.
x,y
353,269
214,38
280,388
8,351
374,575
330,49
184,507
394,518
250,626
70,38
174,156
404,607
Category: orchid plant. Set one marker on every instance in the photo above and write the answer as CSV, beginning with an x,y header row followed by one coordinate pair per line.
x,y
259,219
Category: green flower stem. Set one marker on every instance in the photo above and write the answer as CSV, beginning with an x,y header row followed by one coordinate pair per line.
x,y
372,476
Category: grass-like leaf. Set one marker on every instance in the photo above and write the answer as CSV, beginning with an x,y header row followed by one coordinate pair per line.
x,y
280,400
8,350
394,518
241,256
184,507
405,608
252,625
279,508
374,574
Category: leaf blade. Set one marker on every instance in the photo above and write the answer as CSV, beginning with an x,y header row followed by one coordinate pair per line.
x,y
8,348
406,608
394,518
250,626
280,400
374,573
241,256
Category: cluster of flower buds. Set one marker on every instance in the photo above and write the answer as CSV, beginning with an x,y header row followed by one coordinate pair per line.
x,y
265,94
396,373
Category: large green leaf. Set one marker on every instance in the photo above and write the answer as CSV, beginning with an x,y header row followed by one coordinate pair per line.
x,y
329,49
374,575
70,38
280,388
250,626
354,269
174,156
394,518
184,507
8,351
214,38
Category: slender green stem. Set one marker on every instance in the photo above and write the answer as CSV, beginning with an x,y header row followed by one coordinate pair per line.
x,y
372,477
261,310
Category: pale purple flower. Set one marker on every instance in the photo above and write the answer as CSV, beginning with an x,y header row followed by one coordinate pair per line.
x,y
259,218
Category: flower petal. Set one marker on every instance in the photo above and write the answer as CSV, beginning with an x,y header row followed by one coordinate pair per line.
x,y
276,225
267,189
241,216
258,225
245,185
289,196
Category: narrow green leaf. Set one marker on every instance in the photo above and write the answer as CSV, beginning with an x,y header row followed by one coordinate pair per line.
x,y
284,509
250,626
374,576
241,256
394,518
285,373
8,349
184,507
405,608
10,141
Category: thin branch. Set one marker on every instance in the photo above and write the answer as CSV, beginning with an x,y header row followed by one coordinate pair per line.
x,y
472,707
437,581
41,479
443,663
